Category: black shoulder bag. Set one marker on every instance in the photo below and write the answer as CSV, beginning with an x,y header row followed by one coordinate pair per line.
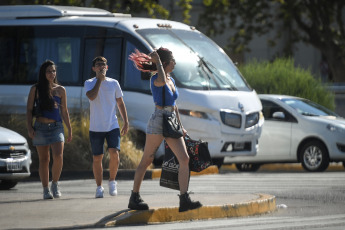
x,y
171,125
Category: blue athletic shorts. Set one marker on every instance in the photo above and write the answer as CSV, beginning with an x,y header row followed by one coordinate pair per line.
x,y
97,140
48,133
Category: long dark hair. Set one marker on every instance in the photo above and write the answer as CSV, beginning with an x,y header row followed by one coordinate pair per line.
x,y
143,61
45,90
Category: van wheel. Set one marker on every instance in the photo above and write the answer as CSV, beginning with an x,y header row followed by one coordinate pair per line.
x,y
314,156
247,167
7,184
218,162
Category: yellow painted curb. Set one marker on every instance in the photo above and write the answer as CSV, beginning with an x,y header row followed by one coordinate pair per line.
x,y
213,169
156,173
265,203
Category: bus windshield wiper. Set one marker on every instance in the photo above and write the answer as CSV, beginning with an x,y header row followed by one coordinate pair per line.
x,y
215,75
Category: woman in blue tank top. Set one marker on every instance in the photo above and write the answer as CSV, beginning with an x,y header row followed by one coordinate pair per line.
x,y
161,62
47,131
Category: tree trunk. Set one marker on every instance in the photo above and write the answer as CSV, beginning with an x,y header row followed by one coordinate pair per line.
x,y
336,62
337,68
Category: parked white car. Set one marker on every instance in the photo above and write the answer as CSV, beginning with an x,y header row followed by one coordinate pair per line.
x,y
15,158
296,130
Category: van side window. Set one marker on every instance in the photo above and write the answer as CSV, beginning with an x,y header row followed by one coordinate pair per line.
x,y
28,47
133,80
110,48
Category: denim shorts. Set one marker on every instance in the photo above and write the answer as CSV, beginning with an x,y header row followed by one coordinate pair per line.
x,y
97,140
155,124
48,133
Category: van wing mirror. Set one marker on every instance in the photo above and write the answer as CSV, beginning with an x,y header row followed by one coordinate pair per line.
x,y
145,75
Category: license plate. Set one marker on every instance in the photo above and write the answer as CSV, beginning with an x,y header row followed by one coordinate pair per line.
x,y
239,145
14,166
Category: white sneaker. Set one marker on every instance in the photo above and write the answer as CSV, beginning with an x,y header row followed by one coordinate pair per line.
x,y
47,194
112,188
54,188
99,192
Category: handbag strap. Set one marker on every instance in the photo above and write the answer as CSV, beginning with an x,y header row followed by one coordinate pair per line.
x,y
163,91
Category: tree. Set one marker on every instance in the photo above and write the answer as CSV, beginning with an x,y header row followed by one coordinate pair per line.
x,y
319,23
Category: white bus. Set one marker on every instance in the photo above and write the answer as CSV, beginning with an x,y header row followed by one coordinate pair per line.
x,y
216,103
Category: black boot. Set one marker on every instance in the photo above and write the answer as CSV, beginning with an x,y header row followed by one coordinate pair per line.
x,y
136,203
187,204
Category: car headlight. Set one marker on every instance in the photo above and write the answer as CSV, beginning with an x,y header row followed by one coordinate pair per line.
x,y
252,119
335,128
193,113
231,119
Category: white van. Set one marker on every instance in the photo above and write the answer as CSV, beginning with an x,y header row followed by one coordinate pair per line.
x,y
216,103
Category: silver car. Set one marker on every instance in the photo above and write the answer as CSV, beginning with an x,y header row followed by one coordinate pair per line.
x,y
296,130
15,158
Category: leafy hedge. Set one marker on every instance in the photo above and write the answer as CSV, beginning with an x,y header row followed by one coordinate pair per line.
x,y
282,77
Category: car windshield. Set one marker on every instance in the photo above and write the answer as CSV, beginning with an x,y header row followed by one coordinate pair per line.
x,y
308,108
200,63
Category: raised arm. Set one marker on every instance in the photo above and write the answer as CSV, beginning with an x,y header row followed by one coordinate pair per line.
x,y
162,78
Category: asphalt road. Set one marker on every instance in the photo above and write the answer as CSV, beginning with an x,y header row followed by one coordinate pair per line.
x,y
307,201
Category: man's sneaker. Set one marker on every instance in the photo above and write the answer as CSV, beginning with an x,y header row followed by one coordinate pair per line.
x,y
136,203
112,188
55,189
99,192
47,194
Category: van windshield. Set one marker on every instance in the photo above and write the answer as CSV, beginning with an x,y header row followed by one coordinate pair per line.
x,y
200,63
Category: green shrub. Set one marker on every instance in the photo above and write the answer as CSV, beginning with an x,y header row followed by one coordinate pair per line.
x,y
282,77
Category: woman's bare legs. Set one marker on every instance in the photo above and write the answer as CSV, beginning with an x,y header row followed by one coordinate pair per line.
x,y
152,143
179,149
57,152
44,158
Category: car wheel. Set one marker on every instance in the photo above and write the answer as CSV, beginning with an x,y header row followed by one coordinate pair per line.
x,y
314,156
247,167
7,184
218,162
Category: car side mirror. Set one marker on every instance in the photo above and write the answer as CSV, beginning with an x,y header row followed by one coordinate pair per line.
x,y
278,115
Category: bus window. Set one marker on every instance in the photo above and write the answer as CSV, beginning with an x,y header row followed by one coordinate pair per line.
x,y
133,79
29,47
110,48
